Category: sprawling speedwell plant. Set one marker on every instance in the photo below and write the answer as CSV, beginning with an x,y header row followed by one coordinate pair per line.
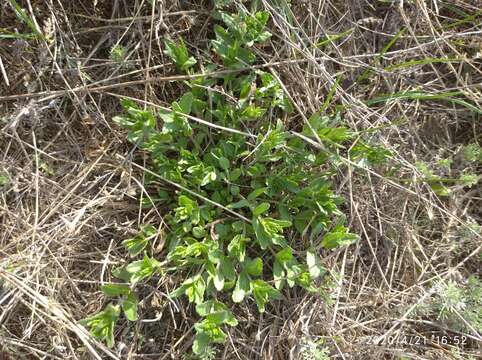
x,y
252,205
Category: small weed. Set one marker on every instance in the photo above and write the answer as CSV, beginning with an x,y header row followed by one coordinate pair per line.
x,y
4,180
311,350
441,184
118,53
452,301
473,153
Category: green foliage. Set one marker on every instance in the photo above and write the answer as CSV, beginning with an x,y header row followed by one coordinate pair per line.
x,y
452,300
442,185
469,179
141,269
339,236
137,244
209,330
179,54
118,53
275,183
128,299
3,179
102,324
366,155
313,350
473,153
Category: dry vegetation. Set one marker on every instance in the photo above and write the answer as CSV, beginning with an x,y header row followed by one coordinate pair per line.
x,y
69,192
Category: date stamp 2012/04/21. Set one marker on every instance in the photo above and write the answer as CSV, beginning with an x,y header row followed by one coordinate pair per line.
x,y
417,340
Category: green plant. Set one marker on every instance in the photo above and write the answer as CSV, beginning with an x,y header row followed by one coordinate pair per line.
x,y
244,188
179,54
313,350
3,179
473,153
118,53
136,245
102,324
452,301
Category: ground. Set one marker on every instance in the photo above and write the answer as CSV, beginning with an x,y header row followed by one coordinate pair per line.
x,y
403,75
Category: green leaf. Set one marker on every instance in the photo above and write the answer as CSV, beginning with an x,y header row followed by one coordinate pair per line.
x,y
314,266
284,255
260,209
179,54
305,280
238,294
199,232
115,289
257,192
226,267
209,177
252,112
223,163
188,210
186,102
200,344
262,292
178,292
254,266
129,305
242,287
207,332
102,324
208,307
193,288
263,237
121,273
216,312
237,247
278,275
235,174
268,231
142,269
135,245
239,204
440,189
234,189
218,280
3,180
339,236
222,317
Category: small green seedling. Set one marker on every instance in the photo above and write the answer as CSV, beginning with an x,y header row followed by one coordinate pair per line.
x,y
3,180
118,53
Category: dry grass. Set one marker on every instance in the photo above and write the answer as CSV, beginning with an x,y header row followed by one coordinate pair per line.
x,y
70,201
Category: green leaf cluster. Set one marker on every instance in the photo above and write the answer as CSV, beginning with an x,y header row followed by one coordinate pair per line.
x,y
275,186
102,324
179,54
